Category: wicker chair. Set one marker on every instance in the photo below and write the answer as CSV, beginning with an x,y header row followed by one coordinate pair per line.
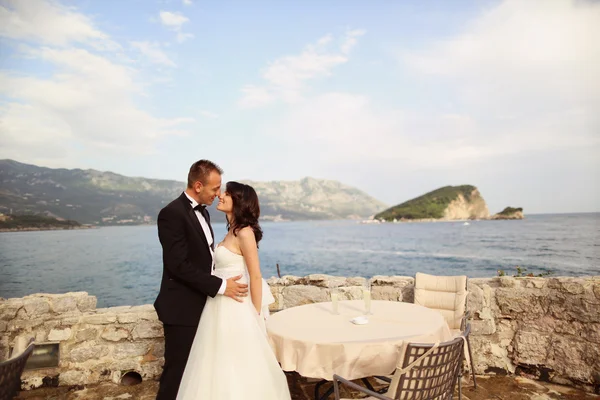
x,y
448,296
424,371
10,373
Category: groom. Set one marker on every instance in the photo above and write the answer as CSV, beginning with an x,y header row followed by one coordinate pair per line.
x,y
188,244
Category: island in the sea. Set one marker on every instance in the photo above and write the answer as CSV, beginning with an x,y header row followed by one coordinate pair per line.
x,y
448,203
12,223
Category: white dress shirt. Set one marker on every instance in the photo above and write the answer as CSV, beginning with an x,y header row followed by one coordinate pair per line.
x,y
209,239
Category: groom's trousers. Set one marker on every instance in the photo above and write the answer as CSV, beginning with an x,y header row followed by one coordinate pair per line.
x,y
178,343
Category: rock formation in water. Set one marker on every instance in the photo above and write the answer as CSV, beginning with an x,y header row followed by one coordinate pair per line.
x,y
446,203
509,213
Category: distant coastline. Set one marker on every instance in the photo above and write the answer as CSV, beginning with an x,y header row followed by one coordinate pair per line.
x,y
49,228
24,223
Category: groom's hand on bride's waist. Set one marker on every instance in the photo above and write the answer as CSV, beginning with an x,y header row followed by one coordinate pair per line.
x,y
235,290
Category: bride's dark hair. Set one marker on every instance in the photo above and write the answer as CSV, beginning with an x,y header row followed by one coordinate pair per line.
x,y
246,209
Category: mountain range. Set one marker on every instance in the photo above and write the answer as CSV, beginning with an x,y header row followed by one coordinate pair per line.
x,y
105,198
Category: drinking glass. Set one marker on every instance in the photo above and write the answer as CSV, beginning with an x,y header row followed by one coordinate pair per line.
x,y
367,297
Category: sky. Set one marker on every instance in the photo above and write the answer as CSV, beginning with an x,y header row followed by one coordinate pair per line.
x,y
396,98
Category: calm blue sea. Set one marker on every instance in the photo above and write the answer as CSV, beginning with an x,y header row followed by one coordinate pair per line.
x,y
122,265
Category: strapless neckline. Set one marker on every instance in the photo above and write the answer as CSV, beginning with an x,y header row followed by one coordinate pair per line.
x,y
226,248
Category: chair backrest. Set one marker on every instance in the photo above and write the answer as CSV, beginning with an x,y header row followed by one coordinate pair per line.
x,y
10,373
445,294
433,376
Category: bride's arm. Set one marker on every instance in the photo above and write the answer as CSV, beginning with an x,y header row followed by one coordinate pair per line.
x,y
247,243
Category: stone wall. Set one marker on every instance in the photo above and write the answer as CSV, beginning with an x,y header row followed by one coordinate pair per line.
x,y
95,344
545,327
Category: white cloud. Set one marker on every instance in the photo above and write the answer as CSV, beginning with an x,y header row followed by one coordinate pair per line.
x,y
49,23
351,39
524,78
153,52
522,57
285,78
255,96
182,37
341,128
187,2
85,106
175,21
208,114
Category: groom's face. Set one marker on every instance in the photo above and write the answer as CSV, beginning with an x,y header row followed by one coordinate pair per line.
x,y
207,192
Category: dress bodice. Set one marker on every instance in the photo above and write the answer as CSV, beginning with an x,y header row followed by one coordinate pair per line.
x,y
229,264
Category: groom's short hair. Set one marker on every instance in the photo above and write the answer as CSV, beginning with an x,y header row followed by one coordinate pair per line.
x,y
200,170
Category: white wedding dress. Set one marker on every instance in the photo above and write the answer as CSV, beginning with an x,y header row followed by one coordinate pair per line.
x,y
231,358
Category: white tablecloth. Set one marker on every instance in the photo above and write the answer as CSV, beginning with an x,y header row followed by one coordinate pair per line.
x,y
316,343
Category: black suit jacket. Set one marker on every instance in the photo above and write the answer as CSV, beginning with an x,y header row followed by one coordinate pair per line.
x,y
187,262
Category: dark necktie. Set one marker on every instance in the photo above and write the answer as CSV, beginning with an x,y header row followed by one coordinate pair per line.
x,y
204,212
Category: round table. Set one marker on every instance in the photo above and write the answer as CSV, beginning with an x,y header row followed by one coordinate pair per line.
x,y
317,343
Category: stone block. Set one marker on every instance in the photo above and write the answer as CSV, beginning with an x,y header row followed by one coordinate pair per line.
x,y
127,350
389,293
286,280
521,303
9,309
149,315
132,317
300,294
142,308
41,336
475,299
531,347
596,290
128,318
569,307
99,319
36,307
148,330
58,335
488,354
86,334
483,327
278,304
158,349
17,325
63,304
87,351
87,303
151,370
570,357
349,293
113,310
537,283
114,334
71,318
591,333
355,281
322,280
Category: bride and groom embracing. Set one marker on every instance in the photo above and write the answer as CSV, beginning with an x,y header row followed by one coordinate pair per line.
x,y
216,344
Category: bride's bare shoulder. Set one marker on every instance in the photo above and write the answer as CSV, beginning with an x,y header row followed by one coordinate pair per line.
x,y
245,233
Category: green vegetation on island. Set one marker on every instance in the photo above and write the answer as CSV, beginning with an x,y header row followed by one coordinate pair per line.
x,y
34,222
510,211
431,205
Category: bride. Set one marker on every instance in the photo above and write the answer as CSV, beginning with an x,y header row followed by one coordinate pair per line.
x,y
231,357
